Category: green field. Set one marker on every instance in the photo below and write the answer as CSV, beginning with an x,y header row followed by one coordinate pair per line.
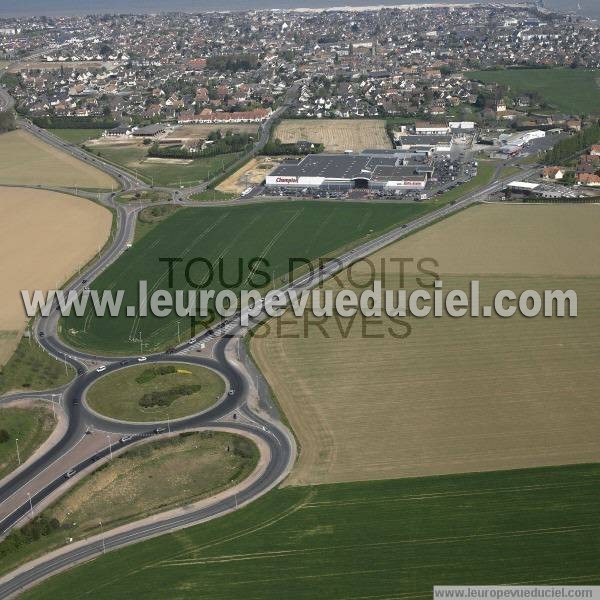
x,y
30,368
573,91
118,395
77,136
31,426
133,158
375,540
274,231
147,479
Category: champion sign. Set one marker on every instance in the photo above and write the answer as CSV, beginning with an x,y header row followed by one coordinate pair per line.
x,y
286,180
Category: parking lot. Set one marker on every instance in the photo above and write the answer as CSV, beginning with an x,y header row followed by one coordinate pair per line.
x,y
451,170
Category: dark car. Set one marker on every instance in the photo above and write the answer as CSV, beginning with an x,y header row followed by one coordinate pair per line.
x,y
75,401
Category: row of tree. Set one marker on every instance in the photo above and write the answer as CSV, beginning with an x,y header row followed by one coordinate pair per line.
x,y
50,122
276,148
573,145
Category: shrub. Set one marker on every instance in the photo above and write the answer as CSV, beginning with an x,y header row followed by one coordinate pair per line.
x,y
150,374
39,527
167,397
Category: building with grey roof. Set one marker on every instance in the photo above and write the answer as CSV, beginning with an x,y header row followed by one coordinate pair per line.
x,y
389,170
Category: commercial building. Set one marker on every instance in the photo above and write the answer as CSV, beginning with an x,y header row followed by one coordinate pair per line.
x,y
379,170
425,128
513,143
541,190
150,130
425,144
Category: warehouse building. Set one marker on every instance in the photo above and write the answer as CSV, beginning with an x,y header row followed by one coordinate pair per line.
x,y
513,143
425,144
378,170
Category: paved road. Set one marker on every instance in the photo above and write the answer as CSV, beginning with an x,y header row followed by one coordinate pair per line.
x,y
274,434
125,179
277,438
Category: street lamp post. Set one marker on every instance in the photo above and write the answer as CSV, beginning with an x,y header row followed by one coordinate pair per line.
x,y
103,540
30,504
18,454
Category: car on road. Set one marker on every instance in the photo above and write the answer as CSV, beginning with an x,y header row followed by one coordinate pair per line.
x,y
101,369
75,401
142,359
231,392
192,341
126,438
124,362
70,473
41,334
160,430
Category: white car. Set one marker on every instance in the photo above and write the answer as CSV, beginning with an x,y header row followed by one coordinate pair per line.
x,y
100,369
142,359
192,341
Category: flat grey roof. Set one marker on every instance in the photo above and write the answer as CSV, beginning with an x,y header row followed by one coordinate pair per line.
x,y
424,140
150,129
344,166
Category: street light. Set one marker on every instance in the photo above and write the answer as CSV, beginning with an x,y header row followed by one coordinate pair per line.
x,y
18,455
103,541
30,504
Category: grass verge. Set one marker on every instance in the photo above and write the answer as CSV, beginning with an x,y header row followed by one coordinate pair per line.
x,y
152,393
146,480
31,425
30,368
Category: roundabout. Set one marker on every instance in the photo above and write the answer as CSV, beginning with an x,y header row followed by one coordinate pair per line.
x,y
143,393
